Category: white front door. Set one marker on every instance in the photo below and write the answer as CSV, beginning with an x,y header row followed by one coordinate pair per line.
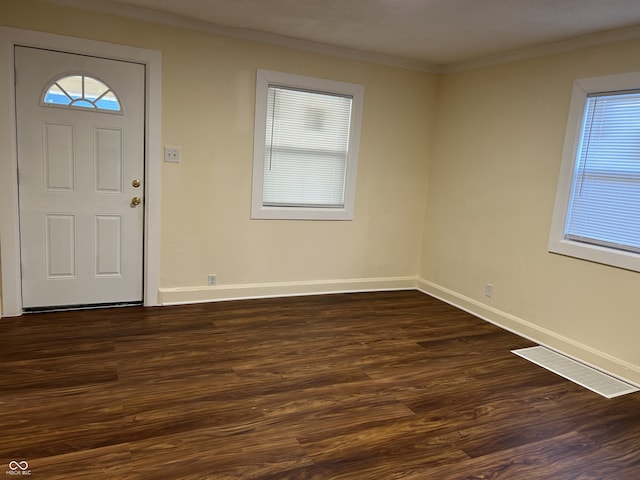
x,y
80,125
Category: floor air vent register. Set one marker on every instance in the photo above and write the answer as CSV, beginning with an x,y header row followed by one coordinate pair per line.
x,y
577,372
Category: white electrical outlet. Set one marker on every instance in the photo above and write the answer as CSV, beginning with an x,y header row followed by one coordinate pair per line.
x,y
488,290
172,154
211,280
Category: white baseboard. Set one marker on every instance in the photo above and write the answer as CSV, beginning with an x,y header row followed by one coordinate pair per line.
x,y
602,361
201,294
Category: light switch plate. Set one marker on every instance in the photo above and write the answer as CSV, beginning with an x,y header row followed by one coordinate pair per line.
x,y
172,154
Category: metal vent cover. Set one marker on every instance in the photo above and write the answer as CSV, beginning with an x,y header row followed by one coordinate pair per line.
x,y
577,372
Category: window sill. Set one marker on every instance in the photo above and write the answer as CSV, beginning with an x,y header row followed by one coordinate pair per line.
x,y
300,213
597,254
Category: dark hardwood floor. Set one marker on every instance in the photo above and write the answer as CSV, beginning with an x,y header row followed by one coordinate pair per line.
x,y
393,385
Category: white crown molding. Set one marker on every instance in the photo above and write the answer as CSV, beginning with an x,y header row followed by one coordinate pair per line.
x,y
577,43
112,8
104,6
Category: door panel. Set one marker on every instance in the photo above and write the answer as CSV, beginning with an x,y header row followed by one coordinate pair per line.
x,y
58,157
108,236
81,236
108,157
60,245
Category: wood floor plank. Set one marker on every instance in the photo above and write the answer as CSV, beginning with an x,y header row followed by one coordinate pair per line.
x,y
382,453
385,385
568,456
62,422
254,452
113,461
325,412
42,373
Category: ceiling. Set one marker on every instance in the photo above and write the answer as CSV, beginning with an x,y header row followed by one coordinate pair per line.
x,y
427,33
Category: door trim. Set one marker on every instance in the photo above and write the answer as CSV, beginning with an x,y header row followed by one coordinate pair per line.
x,y
9,214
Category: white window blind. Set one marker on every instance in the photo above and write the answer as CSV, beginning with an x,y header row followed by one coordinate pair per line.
x,y
604,207
306,148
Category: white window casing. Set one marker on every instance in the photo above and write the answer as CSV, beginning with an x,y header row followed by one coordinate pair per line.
x,y
597,208
307,133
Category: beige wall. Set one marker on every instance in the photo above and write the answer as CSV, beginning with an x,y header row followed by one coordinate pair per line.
x,y
492,185
208,95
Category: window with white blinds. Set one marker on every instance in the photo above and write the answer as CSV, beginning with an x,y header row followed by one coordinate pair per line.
x,y
605,201
600,218
305,147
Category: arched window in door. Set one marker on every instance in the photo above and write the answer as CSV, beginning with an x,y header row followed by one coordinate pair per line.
x,y
81,91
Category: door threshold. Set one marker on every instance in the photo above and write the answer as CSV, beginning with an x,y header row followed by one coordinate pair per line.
x,y
84,306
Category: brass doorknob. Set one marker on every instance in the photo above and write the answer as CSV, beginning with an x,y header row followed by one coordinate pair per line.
x,y
136,201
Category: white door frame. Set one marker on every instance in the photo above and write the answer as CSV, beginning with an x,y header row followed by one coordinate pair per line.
x,y
9,213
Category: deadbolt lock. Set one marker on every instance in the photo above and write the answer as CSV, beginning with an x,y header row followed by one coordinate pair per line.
x,y
136,183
